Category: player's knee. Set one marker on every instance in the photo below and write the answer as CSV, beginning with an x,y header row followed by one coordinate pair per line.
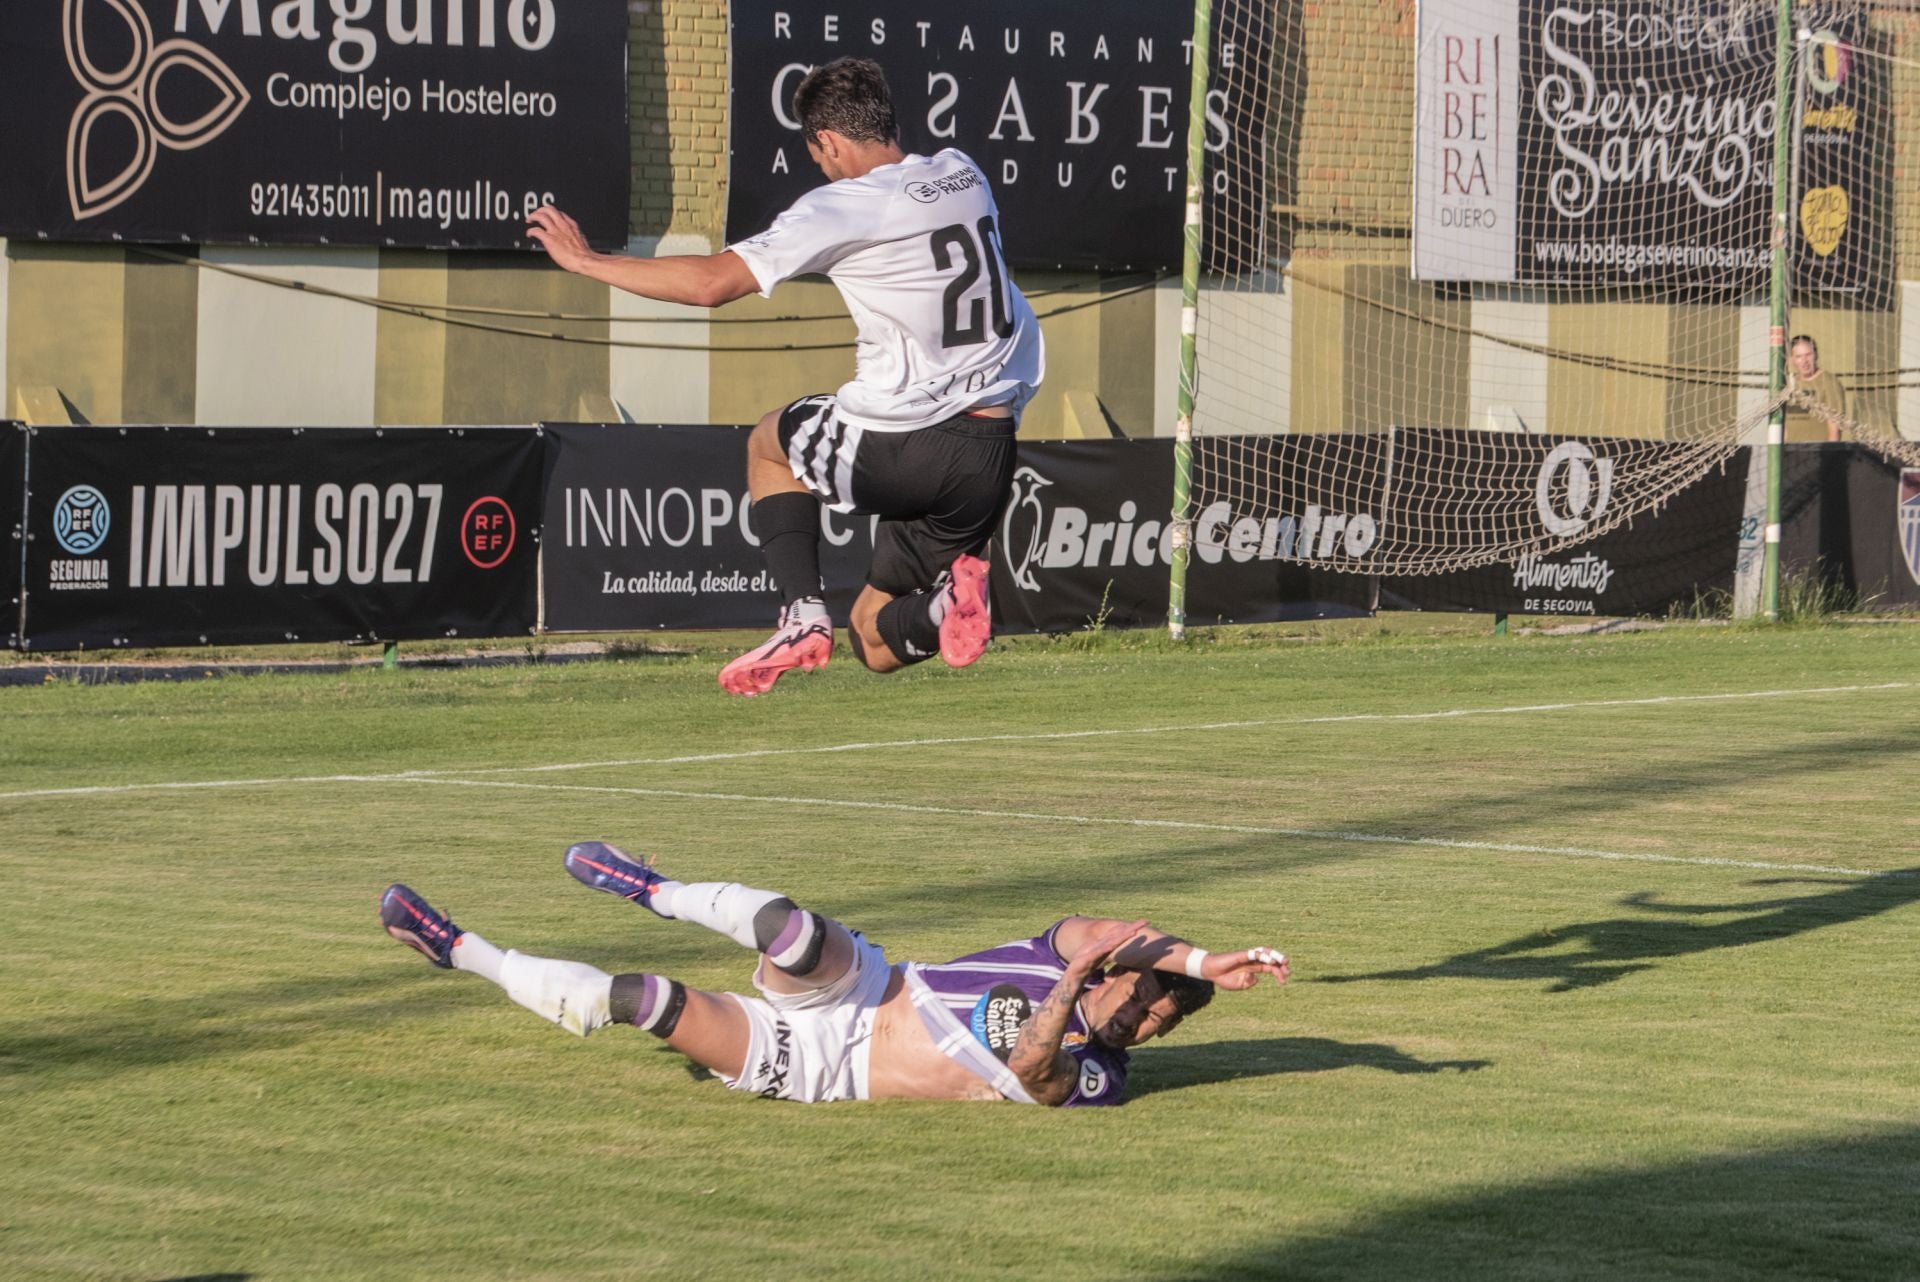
x,y
790,936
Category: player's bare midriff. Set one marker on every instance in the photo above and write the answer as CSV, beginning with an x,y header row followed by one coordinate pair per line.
x,y
903,1062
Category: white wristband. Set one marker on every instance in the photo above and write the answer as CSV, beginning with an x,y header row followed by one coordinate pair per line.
x,y
1196,958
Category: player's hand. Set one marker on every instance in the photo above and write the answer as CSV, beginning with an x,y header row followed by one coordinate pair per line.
x,y
1237,972
1098,952
560,236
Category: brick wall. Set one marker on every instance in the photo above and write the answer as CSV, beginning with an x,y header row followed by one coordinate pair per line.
x,y
677,70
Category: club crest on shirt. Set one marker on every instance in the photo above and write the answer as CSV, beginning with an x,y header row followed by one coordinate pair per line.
x,y
997,1017
1072,1040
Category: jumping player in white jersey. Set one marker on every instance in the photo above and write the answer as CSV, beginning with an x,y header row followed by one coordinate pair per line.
x,y
1046,1020
948,353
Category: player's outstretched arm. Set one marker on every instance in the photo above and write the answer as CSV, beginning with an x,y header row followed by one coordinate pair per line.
x,y
1147,948
1046,1070
699,280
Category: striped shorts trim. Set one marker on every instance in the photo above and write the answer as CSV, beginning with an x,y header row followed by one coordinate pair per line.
x,y
820,448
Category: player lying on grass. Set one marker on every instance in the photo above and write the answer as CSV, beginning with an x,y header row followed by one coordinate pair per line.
x,y
1047,1020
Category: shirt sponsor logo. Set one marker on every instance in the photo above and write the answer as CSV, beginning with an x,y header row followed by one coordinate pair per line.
x,y
774,1068
1093,1078
997,1018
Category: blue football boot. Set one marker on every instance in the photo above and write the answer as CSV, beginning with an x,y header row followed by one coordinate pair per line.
x,y
419,925
599,866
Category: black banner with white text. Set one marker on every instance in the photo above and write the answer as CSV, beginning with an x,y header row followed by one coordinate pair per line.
x,y
254,535
378,122
1076,114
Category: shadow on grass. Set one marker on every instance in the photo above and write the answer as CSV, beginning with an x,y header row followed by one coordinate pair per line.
x,y
1608,793
147,1033
1830,1208
1589,953
1167,1068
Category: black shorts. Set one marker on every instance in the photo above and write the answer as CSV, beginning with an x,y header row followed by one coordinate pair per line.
x,y
938,490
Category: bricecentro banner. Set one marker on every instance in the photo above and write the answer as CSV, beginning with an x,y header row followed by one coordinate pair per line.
x,y
1076,113
369,122
650,527
190,536
1603,142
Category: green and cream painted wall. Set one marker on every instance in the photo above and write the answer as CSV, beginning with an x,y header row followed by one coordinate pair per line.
x,y
113,335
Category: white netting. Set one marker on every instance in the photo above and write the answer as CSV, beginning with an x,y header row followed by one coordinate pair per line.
x,y
1477,231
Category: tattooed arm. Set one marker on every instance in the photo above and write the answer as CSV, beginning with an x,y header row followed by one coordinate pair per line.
x,y
1047,1071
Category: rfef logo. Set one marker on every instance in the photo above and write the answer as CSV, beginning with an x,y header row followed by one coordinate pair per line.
x,y
487,531
81,519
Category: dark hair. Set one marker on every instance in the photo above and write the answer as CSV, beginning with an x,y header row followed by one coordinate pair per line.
x,y
1189,994
848,96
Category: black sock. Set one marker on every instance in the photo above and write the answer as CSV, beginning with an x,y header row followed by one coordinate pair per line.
x,y
788,524
906,625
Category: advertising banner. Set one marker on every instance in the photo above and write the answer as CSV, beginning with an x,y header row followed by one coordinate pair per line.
x,y
1590,142
207,536
1844,175
1851,517
1086,541
1076,114
13,541
651,527
377,122
1663,560
1466,176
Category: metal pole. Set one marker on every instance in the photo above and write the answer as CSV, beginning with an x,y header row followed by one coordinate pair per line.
x,y
1189,323
1777,332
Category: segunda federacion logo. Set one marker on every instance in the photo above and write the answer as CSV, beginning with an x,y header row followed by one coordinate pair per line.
x,y
82,519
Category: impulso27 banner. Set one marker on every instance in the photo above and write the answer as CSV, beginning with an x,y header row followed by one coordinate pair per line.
x,y
243,536
1075,113
362,122
1621,143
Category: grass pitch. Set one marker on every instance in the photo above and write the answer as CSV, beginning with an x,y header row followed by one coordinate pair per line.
x,y
1605,963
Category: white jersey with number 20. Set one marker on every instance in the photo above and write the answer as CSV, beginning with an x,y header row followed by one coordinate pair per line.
x,y
914,248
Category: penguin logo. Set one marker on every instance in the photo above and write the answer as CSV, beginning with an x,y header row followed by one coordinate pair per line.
x,y
1024,528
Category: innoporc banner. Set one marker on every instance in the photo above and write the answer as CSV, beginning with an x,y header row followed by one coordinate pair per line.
x,y
362,122
652,527
1612,142
1075,113
191,536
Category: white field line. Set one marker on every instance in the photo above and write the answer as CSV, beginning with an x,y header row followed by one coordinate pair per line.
x,y
890,745
1110,821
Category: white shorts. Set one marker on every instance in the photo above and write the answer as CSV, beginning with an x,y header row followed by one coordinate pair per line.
x,y
812,1046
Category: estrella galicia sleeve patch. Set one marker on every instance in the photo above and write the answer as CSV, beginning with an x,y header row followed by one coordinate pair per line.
x,y
997,1017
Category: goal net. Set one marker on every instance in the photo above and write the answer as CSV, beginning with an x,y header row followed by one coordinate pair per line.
x,y
1491,277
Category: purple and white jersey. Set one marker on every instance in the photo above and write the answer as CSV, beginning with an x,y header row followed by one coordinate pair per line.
x,y
977,1003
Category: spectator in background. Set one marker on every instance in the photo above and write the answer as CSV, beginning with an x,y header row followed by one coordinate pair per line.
x,y
1816,402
